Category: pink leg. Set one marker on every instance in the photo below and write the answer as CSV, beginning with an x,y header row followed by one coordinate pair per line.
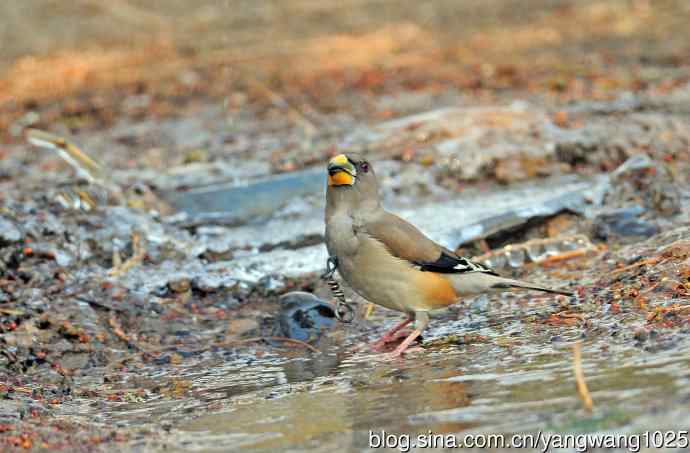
x,y
422,320
405,344
390,335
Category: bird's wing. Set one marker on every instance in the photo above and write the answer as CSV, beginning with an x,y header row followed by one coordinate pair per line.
x,y
406,242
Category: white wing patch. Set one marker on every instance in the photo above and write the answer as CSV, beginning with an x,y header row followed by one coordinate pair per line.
x,y
451,264
465,265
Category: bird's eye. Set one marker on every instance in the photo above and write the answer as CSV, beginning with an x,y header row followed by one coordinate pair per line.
x,y
364,166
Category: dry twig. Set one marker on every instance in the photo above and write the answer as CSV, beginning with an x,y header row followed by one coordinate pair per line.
x,y
651,261
582,390
119,332
562,257
138,253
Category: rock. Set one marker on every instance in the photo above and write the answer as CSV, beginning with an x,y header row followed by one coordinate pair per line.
x,y
181,285
74,361
303,317
63,258
238,203
641,334
633,164
479,304
216,252
640,180
519,168
208,283
515,209
9,233
10,411
624,222
271,283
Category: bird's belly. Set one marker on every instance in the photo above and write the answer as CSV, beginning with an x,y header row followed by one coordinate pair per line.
x,y
379,286
393,283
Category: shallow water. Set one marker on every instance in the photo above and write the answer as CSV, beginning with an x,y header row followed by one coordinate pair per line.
x,y
508,375
444,391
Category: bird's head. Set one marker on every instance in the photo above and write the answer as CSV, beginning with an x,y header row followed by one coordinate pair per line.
x,y
351,179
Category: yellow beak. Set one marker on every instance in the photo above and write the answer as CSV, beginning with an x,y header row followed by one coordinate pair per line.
x,y
341,172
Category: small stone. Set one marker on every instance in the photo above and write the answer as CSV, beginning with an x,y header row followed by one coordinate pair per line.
x,y
73,361
479,304
641,334
271,283
215,253
63,258
209,282
624,222
195,155
180,286
9,233
303,317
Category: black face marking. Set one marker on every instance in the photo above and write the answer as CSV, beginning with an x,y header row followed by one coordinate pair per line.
x,y
449,264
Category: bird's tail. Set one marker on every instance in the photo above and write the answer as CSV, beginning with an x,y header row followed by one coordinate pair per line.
x,y
479,282
506,283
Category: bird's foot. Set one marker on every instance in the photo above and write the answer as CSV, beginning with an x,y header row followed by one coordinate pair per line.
x,y
388,337
382,342
405,344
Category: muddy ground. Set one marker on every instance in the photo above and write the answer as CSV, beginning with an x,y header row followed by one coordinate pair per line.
x,y
551,142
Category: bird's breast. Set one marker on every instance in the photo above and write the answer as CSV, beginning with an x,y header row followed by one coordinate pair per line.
x,y
340,236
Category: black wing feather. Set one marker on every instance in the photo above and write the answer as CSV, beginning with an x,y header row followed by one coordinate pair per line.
x,y
450,264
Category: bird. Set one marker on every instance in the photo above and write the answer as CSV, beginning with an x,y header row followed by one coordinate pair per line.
x,y
390,262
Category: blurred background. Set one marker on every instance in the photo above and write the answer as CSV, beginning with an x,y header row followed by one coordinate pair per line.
x,y
51,49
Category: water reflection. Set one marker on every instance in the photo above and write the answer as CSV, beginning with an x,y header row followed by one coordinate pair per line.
x,y
362,395
432,392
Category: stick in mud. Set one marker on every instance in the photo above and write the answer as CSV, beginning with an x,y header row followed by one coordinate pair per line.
x,y
582,390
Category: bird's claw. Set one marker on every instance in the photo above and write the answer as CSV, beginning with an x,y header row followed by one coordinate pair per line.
x,y
381,343
399,353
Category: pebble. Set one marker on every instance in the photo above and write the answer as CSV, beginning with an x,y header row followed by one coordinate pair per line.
x,y
180,286
9,232
623,222
303,317
641,334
